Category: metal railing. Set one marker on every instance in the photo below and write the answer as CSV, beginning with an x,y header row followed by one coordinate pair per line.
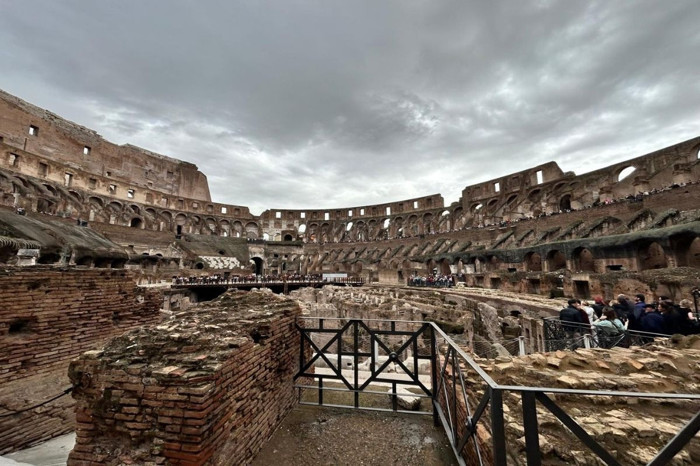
x,y
464,398
560,335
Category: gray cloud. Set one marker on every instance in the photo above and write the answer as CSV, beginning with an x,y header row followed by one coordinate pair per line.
x,y
301,104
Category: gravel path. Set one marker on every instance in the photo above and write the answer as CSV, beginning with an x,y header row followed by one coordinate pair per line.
x,y
312,436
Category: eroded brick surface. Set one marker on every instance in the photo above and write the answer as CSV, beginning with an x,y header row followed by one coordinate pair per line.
x,y
208,385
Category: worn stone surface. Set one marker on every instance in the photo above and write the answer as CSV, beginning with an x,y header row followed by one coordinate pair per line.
x,y
632,429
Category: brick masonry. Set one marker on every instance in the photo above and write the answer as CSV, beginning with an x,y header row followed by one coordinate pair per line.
x,y
208,386
48,316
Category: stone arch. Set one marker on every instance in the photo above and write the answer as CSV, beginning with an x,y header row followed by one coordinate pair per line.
x,y
624,172
46,206
252,230
583,260
556,260
50,189
652,256
427,226
565,202
534,195
493,262
533,262
686,250
430,266
237,229
444,267
212,225
96,201
76,195
136,222
225,227
558,187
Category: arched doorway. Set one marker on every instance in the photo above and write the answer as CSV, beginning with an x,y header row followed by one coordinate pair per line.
x,y
652,257
258,261
583,260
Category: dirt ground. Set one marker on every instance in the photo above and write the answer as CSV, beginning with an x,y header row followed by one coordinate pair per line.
x,y
312,435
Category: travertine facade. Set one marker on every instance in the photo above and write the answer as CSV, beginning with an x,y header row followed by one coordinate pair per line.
x,y
519,232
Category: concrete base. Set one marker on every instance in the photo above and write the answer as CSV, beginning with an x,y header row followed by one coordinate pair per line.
x,y
52,453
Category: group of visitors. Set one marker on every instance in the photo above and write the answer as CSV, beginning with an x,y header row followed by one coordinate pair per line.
x,y
614,317
437,280
218,279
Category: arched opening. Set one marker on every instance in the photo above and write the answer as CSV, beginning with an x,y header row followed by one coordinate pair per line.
x,y
136,223
686,249
534,195
556,260
258,263
445,267
251,230
533,262
652,256
693,255
625,173
302,229
288,237
565,202
583,260
45,206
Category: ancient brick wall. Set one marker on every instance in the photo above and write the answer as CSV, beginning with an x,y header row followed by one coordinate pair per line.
x,y
49,316
208,386
58,139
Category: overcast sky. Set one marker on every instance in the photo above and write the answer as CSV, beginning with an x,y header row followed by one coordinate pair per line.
x,y
324,104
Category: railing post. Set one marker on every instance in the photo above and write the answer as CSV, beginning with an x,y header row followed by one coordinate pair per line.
x,y
497,428
521,346
587,340
532,438
433,375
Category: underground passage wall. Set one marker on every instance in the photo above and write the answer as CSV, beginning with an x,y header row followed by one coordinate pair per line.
x,y
207,386
49,316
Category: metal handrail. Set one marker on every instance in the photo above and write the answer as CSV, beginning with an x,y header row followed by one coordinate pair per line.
x,y
460,417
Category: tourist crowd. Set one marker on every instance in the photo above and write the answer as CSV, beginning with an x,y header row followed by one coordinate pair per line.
x,y
618,315
218,279
438,280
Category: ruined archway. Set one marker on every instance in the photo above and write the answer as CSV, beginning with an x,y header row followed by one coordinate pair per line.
x,y
533,262
556,260
652,256
583,260
258,265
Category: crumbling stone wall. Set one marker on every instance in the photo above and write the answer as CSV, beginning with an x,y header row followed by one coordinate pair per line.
x,y
208,386
47,317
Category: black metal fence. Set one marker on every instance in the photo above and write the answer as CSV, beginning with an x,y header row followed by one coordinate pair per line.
x,y
560,335
465,400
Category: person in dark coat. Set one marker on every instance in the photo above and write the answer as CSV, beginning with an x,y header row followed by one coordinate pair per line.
x,y
635,317
571,318
672,318
624,308
598,306
652,321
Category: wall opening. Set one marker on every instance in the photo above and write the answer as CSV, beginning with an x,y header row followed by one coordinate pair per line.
x,y
625,173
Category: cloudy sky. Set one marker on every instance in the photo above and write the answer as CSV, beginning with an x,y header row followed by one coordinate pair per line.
x,y
323,104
